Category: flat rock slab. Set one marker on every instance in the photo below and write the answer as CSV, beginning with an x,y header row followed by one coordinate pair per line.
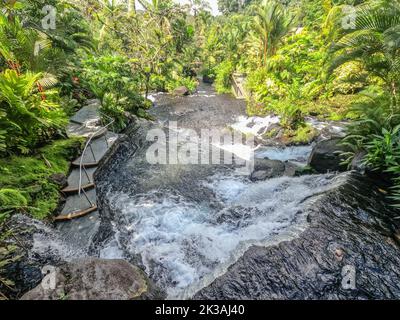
x,y
99,147
348,251
81,231
86,115
73,178
79,130
92,279
76,203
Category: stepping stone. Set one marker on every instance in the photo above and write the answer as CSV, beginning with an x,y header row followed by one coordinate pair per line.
x,y
97,150
93,101
73,180
87,115
79,130
78,205
81,231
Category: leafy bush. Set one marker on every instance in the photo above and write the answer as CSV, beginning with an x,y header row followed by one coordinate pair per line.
x,y
223,74
28,115
111,79
291,115
109,73
114,108
377,131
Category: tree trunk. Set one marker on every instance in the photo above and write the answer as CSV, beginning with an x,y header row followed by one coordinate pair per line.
x,y
131,7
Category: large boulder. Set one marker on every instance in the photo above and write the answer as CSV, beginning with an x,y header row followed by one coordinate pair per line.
x,y
347,250
181,91
326,157
92,279
266,168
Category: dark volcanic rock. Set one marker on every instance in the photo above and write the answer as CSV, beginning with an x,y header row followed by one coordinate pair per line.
x,y
59,179
92,279
325,156
350,228
266,168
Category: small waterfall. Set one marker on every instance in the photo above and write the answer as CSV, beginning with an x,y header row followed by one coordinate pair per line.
x,y
185,244
47,243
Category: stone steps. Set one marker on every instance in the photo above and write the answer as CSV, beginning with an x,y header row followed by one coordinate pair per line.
x,y
73,180
96,151
85,123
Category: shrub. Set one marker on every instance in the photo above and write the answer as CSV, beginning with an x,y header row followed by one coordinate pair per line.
x,y
223,76
29,115
11,200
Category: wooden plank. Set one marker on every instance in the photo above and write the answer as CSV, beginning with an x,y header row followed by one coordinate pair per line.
x,y
77,163
74,215
76,189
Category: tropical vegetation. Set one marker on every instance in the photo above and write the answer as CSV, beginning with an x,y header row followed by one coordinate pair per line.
x,y
330,59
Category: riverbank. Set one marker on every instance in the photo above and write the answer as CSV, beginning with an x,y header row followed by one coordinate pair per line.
x,y
207,232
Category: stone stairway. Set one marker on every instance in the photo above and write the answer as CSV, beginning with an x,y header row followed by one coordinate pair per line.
x,y
81,190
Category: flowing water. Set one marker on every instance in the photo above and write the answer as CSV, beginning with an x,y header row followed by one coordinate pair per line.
x,y
188,223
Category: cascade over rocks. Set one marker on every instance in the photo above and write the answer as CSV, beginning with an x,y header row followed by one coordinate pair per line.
x,y
350,228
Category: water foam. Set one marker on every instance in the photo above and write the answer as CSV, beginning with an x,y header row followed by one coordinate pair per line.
x,y
184,244
255,126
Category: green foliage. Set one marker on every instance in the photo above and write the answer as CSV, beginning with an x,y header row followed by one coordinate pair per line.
x,y
304,134
223,77
383,150
114,108
377,131
109,73
27,116
11,199
291,114
24,180
374,42
111,79
271,23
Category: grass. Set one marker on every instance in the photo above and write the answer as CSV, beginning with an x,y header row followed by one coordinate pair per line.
x,y
24,180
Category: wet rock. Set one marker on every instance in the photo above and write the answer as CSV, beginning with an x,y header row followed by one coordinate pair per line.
x,y
208,79
181,91
92,279
325,156
344,244
266,168
59,179
291,169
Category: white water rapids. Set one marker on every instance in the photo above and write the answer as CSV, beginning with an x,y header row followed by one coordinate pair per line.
x,y
185,244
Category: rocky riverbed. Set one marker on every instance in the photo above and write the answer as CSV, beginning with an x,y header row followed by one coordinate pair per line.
x,y
291,228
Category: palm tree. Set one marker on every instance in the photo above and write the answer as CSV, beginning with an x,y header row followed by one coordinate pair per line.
x,y
271,24
375,42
